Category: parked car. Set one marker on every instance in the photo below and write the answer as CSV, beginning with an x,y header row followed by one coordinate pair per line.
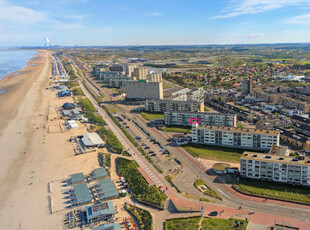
x,y
127,127
147,147
151,152
214,213
153,155
138,138
163,150
143,144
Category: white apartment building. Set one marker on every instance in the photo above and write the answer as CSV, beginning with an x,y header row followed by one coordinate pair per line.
x,y
216,119
141,90
235,137
162,106
276,168
105,76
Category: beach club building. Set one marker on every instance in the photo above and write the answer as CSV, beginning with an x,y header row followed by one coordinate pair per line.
x,y
100,174
108,189
92,140
100,212
64,93
77,178
113,226
82,194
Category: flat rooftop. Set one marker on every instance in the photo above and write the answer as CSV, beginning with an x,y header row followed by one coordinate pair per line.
x,y
100,172
92,139
240,130
114,226
77,178
108,188
97,210
275,158
82,193
201,113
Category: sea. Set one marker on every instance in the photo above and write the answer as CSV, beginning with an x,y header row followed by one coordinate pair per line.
x,y
13,60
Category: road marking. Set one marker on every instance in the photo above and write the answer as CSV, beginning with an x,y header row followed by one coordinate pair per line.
x,y
223,193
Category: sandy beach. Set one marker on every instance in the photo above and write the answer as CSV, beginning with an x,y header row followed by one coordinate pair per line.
x,y
34,149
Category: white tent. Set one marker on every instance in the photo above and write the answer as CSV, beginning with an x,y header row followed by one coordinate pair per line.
x,y
72,124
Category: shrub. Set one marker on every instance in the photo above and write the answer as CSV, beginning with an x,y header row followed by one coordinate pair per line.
x,y
138,185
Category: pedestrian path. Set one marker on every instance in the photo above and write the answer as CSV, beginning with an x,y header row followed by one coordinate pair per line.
x,y
148,171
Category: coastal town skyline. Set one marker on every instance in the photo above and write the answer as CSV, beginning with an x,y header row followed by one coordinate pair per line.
x,y
174,22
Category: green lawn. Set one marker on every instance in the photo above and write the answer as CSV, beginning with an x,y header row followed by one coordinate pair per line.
x,y
214,152
209,192
177,129
87,105
167,86
78,92
274,190
150,116
221,224
191,223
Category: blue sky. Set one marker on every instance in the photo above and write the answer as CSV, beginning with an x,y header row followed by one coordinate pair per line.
x,y
153,22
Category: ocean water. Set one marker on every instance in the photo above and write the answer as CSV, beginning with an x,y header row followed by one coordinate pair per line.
x,y
13,60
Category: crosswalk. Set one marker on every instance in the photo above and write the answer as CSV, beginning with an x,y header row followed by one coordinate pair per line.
x,y
147,170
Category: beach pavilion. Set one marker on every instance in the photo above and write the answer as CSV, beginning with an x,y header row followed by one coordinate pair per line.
x,y
108,189
82,194
100,173
77,178
114,226
92,140
99,212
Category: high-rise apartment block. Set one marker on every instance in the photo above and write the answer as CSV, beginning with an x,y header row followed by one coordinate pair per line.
x,y
247,86
141,90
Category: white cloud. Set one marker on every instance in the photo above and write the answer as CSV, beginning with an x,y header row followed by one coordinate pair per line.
x,y
299,20
257,35
244,7
155,14
18,14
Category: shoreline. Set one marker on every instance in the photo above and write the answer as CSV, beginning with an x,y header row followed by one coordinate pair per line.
x,y
28,63
14,86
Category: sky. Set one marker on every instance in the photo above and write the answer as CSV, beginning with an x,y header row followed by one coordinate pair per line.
x,y
153,22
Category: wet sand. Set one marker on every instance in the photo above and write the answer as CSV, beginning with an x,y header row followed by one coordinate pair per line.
x,y
14,86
